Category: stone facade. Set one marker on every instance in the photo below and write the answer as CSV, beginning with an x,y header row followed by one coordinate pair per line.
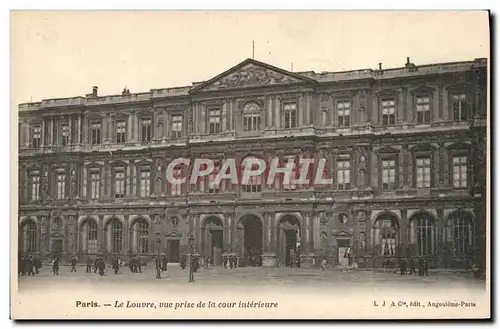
x,y
406,149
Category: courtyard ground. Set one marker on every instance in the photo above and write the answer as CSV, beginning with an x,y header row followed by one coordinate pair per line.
x,y
287,278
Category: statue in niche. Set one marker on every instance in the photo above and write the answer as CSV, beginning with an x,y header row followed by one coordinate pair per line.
x,y
362,159
324,239
361,179
362,241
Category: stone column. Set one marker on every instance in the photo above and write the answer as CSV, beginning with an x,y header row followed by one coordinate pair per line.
x,y
404,232
269,112
435,105
301,111
310,114
400,109
374,169
440,237
202,122
445,110
277,112
224,116
269,255
374,119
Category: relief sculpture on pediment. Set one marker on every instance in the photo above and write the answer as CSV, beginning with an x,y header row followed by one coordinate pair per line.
x,y
253,76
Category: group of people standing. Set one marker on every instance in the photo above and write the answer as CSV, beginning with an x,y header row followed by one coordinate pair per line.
x,y
29,265
231,260
408,267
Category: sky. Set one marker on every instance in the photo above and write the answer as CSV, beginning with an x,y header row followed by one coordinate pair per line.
x,y
58,54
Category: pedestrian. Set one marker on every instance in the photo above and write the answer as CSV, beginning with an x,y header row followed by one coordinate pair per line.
x,y
22,266
55,266
29,266
323,264
73,264
412,266
420,267
89,265
38,264
116,265
402,266
224,261
139,264
96,264
102,266
426,267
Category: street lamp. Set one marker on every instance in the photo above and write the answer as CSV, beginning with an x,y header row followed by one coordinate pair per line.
x,y
191,275
158,268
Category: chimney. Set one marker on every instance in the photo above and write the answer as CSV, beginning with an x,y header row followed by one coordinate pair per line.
x,y
380,66
94,91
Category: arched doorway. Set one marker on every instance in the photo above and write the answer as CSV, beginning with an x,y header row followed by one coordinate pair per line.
x,y
28,237
459,248
89,236
252,240
385,237
114,236
213,239
289,240
422,235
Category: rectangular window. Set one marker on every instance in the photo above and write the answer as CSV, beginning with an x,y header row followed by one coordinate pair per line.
x,y
65,133
119,183
460,172
290,111
145,182
95,184
146,129
251,122
214,121
176,126
121,130
254,184
388,174
343,174
60,185
95,132
36,136
175,189
35,185
460,108
423,172
388,112
423,109
344,114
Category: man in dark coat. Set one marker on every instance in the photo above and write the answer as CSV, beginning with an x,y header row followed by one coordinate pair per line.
x,y
89,265
38,264
402,266
73,264
164,263
183,262
116,265
21,265
412,266
420,267
55,266
29,266
426,268
96,264
102,266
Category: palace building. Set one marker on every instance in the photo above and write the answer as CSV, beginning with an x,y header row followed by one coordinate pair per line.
x,y
406,148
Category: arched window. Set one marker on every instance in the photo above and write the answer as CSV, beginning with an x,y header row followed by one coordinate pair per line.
x,y
141,236
115,236
385,235
460,232
251,117
29,237
89,236
422,234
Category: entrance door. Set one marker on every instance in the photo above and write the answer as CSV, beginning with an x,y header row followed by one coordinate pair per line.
x,y
290,245
57,246
216,246
252,240
343,248
173,251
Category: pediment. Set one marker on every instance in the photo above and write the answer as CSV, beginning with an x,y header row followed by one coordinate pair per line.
x,y
173,235
251,73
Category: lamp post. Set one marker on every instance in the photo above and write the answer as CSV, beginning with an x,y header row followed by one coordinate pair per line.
x,y
191,275
158,268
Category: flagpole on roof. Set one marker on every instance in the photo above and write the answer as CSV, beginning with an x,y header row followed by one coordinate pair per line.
x,y
253,49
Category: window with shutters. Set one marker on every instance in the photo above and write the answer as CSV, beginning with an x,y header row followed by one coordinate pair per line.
x,y
146,129
121,130
290,115
214,121
176,131
343,173
423,109
388,166
423,172
95,132
388,112
36,136
343,114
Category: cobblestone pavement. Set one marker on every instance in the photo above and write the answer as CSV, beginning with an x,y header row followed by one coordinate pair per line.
x,y
287,278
